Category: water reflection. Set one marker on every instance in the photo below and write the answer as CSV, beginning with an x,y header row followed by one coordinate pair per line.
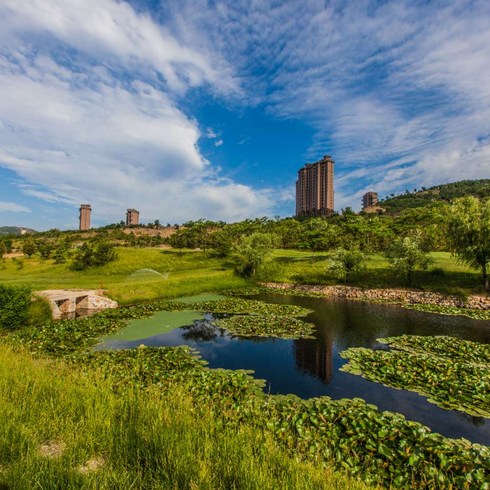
x,y
203,330
79,313
315,358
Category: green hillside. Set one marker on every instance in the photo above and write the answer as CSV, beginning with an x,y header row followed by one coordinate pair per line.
x,y
444,192
14,230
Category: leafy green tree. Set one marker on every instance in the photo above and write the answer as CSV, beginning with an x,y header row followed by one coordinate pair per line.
x,y
93,255
469,233
3,250
29,247
407,254
59,255
178,240
343,263
250,252
83,258
103,253
222,243
45,249
8,244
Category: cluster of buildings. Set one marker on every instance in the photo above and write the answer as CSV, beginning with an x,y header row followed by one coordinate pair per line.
x,y
132,217
314,190
314,195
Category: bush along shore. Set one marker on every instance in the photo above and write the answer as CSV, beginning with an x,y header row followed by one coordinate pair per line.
x,y
348,435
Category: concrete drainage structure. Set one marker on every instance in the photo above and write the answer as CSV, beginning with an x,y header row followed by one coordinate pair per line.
x,y
65,302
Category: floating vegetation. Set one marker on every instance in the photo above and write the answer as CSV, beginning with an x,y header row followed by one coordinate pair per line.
x,y
63,338
453,374
162,366
255,290
428,308
284,327
443,346
248,291
380,447
450,310
236,306
249,306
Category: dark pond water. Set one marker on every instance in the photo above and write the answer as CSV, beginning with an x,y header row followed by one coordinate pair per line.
x,y
310,367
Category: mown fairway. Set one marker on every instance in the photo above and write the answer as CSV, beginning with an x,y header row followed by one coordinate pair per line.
x,y
446,274
137,274
141,274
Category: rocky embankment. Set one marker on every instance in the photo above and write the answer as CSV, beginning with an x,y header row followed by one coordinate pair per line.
x,y
401,296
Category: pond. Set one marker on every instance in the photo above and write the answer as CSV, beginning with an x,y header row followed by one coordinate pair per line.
x,y
310,367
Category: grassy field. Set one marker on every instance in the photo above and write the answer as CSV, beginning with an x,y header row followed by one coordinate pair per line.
x,y
138,274
60,429
446,274
144,274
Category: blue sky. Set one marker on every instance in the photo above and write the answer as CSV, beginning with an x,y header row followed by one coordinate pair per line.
x,y
191,108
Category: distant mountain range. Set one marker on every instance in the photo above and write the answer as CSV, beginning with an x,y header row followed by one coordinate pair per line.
x,y
15,230
445,192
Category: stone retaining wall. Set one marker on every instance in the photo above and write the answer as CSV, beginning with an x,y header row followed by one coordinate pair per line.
x,y
403,296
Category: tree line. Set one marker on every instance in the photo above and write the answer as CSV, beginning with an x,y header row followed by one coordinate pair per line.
x,y
462,227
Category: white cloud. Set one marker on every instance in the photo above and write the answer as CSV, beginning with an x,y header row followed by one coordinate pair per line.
x,y
13,207
99,130
211,134
218,142
109,30
403,83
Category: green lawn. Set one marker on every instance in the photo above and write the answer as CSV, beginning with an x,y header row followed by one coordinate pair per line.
x,y
137,275
446,274
142,274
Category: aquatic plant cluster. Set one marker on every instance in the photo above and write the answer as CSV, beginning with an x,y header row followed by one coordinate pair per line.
x,y
285,327
235,306
379,447
451,310
250,318
428,308
452,373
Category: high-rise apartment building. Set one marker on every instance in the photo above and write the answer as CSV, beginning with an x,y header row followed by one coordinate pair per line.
x,y
85,210
132,217
370,202
314,188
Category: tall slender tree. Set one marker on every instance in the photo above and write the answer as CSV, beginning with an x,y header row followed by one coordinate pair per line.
x,y
469,233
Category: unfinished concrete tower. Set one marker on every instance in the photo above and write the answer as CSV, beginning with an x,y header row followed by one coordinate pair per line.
x,y
85,210
132,217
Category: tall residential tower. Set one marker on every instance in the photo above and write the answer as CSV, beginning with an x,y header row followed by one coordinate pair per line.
x,y
85,210
314,188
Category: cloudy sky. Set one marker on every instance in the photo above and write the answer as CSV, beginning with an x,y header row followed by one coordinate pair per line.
x,y
205,108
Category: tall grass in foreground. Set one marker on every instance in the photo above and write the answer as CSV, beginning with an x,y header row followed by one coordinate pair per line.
x,y
63,429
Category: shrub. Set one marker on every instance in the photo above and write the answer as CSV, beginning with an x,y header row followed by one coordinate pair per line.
x,y
93,255
14,306
343,263
250,252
